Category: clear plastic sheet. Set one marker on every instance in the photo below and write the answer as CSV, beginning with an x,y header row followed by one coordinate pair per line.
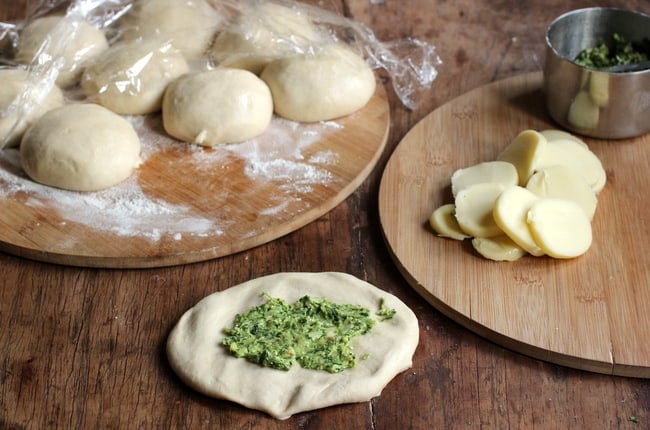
x,y
411,64
47,63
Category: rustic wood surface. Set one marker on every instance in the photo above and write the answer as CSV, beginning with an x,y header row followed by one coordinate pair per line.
x,y
203,215
83,348
588,313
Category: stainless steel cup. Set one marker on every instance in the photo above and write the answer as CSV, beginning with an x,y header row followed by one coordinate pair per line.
x,y
609,105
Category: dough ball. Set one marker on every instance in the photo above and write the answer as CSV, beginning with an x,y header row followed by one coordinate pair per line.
x,y
80,147
195,352
189,25
261,34
81,43
331,83
13,85
217,107
130,78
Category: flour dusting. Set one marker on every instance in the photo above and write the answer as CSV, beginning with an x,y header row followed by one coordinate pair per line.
x,y
279,155
125,209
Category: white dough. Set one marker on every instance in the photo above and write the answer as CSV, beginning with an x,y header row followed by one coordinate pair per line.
x,y
262,33
76,43
196,355
131,77
189,25
12,122
320,86
80,147
217,107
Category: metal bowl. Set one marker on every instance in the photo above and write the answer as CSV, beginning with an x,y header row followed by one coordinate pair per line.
x,y
602,104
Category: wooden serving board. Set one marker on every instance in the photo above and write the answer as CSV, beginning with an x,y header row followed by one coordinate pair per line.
x,y
186,203
592,312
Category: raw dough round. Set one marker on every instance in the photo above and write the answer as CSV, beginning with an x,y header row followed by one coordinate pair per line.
x,y
189,25
261,34
81,43
217,107
80,147
331,83
13,84
196,355
131,77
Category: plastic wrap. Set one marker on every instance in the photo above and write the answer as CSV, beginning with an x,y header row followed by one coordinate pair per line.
x,y
48,60
410,63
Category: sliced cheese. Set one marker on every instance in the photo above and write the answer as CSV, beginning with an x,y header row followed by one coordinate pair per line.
x,y
576,157
511,213
560,227
498,248
443,222
545,209
554,134
523,152
500,172
474,209
564,183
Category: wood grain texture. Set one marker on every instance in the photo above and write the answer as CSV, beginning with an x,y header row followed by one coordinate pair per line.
x,y
197,187
589,312
83,347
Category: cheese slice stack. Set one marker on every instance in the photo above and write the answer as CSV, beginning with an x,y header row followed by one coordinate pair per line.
x,y
537,198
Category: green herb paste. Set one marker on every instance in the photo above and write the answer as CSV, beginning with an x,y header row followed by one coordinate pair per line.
x,y
314,332
619,52
385,313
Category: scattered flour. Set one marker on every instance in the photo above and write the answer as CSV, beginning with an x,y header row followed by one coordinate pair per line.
x,y
278,155
274,211
125,209
324,157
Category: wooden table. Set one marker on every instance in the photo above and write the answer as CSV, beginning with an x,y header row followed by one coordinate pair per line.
x,y
84,348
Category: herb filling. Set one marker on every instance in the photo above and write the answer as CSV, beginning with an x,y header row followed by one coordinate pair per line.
x,y
314,332
385,313
614,54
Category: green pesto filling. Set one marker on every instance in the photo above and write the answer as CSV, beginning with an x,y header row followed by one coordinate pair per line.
x,y
385,313
314,332
618,52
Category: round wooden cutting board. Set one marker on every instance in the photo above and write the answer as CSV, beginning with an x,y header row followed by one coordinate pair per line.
x,y
592,312
186,203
